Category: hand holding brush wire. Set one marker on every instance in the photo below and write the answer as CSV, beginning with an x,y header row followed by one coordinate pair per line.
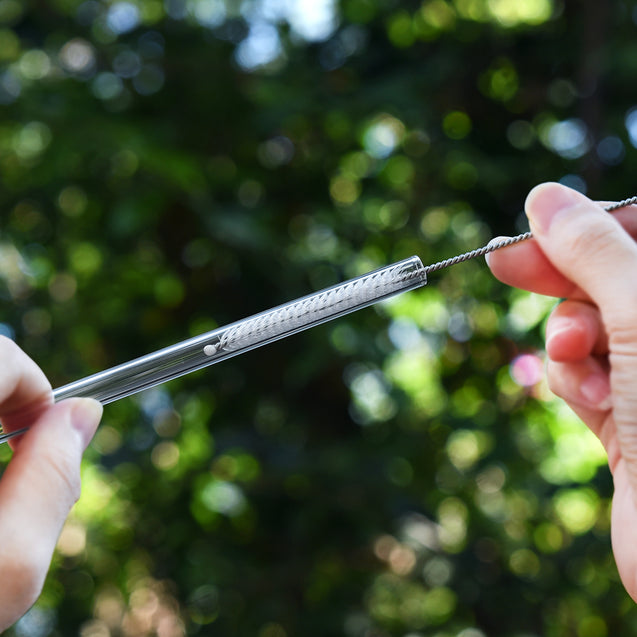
x,y
589,260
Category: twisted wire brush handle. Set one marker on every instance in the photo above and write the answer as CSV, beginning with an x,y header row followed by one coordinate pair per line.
x,y
507,241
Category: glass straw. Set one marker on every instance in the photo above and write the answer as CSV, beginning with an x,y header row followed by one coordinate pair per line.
x,y
244,335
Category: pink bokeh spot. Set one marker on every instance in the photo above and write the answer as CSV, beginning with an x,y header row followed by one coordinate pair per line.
x,y
527,370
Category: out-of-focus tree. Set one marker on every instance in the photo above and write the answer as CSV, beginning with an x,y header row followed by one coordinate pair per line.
x,y
166,167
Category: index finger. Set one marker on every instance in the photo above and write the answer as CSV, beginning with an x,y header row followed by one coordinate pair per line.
x,y
525,266
24,389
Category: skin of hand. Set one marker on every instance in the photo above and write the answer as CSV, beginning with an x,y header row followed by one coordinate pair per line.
x,y
42,481
588,258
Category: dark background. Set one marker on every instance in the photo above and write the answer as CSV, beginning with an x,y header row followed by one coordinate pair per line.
x,y
168,167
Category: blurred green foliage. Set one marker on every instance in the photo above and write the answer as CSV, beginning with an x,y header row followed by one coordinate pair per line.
x,y
167,167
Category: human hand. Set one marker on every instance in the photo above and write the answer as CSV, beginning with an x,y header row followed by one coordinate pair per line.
x,y
588,257
42,481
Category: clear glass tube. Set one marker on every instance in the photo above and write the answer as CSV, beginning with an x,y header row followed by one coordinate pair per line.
x,y
242,336
249,333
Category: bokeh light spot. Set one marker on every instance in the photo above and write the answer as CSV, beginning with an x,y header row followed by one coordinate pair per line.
x,y
577,509
77,56
122,17
383,135
165,455
457,125
527,370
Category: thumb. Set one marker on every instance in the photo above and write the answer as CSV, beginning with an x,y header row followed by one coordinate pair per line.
x,y
588,246
592,249
37,491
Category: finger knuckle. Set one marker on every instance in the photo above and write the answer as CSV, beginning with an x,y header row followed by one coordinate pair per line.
x,y
591,238
622,325
22,382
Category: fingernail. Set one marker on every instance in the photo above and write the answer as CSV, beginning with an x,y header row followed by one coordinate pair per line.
x,y
494,241
85,418
596,391
546,201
